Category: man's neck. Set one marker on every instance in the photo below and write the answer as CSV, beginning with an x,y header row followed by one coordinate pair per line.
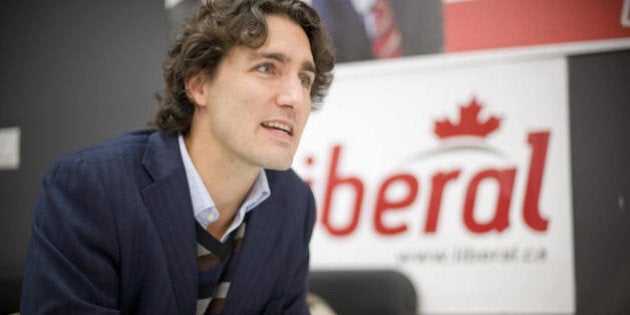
x,y
227,181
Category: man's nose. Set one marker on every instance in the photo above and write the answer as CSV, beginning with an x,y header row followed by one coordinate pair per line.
x,y
292,93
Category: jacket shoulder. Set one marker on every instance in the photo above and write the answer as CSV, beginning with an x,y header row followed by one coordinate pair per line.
x,y
127,143
122,152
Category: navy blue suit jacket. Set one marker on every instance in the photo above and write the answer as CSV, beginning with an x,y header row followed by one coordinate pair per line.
x,y
113,233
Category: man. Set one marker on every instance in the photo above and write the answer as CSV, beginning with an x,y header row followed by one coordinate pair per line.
x,y
202,215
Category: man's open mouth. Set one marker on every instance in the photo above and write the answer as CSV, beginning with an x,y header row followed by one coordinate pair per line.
x,y
278,126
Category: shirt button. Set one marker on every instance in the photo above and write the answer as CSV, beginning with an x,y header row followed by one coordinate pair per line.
x,y
212,216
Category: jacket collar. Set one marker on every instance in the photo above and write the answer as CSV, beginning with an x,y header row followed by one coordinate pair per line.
x,y
168,202
161,156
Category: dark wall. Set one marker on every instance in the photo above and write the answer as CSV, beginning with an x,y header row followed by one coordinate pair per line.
x,y
599,92
74,72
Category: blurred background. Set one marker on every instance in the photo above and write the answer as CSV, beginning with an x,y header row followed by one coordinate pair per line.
x,y
555,73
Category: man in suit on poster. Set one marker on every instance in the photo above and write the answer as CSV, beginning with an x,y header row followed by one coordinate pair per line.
x,y
355,25
202,214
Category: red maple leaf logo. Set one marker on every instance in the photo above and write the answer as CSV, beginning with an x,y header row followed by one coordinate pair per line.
x,y
469,124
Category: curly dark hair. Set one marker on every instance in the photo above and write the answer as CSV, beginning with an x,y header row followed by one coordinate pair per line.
x,y
214,29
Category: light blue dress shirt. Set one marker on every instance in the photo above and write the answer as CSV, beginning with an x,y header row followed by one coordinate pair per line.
x,y
204,210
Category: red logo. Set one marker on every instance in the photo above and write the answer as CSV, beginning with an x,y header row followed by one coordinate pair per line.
x,y
438,180
469,123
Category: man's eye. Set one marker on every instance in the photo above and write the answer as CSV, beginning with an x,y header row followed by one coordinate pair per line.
x,y
266,68
306,81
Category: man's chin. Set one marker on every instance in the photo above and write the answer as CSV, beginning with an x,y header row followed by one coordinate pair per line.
x,y
278,165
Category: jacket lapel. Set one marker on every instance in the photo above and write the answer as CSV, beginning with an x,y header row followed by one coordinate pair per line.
x,y
262,235
263,225
168,202
262,232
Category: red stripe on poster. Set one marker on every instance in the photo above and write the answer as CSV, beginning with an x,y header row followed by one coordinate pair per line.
x,y
484,24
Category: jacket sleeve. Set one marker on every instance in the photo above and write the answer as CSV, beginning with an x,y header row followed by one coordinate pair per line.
x,y
73,253
296,301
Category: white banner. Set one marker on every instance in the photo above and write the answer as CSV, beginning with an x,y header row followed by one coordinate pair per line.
x,y
454,173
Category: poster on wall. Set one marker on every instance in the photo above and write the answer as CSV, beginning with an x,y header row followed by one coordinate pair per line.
x,y
375,29
384,29
455,174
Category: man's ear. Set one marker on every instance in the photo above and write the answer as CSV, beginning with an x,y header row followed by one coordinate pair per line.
x,y
195,89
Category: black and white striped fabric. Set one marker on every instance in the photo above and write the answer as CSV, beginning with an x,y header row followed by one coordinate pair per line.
x,y
216,262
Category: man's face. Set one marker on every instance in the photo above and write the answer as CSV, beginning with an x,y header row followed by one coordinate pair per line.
x,y
254,109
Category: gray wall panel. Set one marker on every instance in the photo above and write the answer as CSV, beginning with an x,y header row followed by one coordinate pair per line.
x,y
73,73
599,87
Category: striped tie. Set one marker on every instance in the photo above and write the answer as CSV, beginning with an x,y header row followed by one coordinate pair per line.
x,y
387,42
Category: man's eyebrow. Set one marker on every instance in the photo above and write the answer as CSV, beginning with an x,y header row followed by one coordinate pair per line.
x,y
276,56
280,57
308,66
